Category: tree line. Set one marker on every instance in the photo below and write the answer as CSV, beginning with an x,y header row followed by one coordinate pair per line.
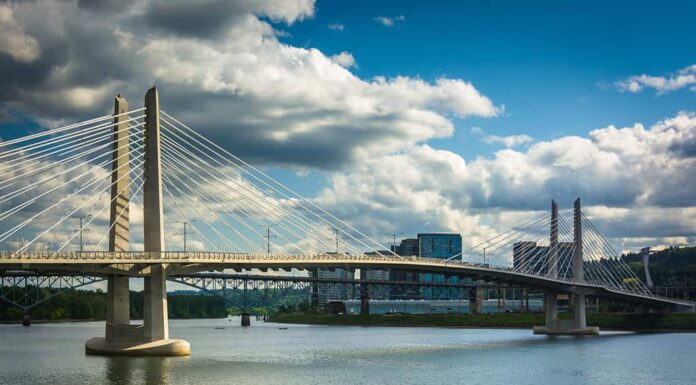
x,y
672,267
84,305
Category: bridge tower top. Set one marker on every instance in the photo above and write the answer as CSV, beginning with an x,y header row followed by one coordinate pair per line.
x,y
120,178
152,188
578,271
553,241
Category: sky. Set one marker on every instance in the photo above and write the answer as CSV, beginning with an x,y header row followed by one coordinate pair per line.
x,y
397,116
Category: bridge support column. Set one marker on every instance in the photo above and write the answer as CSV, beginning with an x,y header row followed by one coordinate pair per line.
x,y
476,300
153,337
118,326
364,294
577,326
551,307
246,319
314,294
26,318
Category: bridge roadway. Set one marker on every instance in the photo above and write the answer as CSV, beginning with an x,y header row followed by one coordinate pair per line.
x,y
178,263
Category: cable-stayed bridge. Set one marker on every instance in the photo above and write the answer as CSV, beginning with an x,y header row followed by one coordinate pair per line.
x,y
135,177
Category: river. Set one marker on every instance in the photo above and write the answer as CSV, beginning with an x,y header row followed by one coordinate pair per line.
x,y
267,353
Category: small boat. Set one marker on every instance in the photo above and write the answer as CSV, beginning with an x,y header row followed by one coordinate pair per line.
x,y
282,328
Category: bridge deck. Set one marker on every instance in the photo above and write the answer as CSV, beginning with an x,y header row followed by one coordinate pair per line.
x,y
202,261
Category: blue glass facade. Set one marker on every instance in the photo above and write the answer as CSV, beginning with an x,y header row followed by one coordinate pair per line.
x,y
440,246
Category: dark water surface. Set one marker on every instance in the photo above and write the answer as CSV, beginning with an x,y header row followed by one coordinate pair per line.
x,y
264,354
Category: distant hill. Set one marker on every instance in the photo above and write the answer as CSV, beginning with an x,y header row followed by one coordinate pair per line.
x,y
674,267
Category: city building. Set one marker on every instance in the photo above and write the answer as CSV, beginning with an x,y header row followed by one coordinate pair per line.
x,y
440,246
329,292
530,257
407,248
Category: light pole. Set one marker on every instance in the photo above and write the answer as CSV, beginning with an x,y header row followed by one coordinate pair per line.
x,y
269,236
81,229
185,233
394,239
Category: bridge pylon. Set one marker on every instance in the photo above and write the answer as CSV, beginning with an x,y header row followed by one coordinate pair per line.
x,y
152,338
554,325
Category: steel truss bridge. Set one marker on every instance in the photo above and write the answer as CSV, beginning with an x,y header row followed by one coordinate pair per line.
x,y
28,289
134,178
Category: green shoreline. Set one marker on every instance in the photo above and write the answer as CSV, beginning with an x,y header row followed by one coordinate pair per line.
x,y
607,321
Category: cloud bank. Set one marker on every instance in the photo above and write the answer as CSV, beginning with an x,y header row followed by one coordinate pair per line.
x,y
685,77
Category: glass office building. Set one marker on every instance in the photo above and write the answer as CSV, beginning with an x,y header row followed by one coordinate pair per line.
x,y
440,246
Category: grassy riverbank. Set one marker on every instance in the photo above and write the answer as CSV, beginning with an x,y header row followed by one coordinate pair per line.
x,y
642,322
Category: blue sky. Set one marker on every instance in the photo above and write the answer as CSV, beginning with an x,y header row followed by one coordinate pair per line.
x,y
551,64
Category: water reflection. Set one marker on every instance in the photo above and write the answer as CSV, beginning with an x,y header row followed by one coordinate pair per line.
x,y
118,370
53,354
138,370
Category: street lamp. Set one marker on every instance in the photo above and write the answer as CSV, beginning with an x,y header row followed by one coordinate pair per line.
x,y
185,233
394,239
269,236
81,229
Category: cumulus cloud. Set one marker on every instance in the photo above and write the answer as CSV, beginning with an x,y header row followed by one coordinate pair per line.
x,y
389,21
508,141
344,59
634,183
13,39
685,77
227,73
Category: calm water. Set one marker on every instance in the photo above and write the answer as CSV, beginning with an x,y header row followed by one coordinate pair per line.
x,y
53,354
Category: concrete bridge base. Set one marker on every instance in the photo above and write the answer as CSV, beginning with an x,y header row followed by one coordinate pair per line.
x,y
558,327
246,319
566,328
100,346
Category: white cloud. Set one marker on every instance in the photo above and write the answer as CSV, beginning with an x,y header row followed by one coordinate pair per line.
x,y
389,21
287,105
508,141
686,77
344,59
13,39
633,181
336,27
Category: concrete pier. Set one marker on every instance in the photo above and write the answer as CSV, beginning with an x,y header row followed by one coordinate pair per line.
x,y
152,338
554,325
364,293
246,319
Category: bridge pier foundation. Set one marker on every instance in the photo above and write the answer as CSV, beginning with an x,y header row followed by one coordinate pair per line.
x,y
314,305
118,310
364,294
246,319
153,337
476,300
26,318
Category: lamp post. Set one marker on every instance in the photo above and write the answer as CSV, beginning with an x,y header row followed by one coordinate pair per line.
x,y
269,236
185,233
394,239
81,229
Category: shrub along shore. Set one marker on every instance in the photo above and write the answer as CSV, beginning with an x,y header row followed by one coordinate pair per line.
x,y
607,321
